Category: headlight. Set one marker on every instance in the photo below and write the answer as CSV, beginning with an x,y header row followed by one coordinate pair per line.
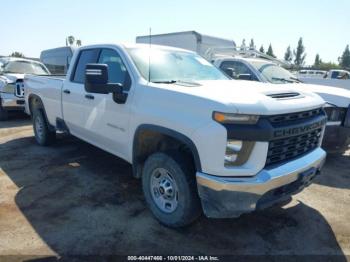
x,y
228,118
237,152
9,88
335,114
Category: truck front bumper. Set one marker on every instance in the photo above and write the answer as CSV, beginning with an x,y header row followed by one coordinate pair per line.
x,y
224,197
11,102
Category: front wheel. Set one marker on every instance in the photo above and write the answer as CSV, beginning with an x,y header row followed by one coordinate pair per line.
x,y
43,135
169,186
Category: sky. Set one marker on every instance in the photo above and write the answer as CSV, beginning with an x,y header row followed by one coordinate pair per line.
x,y
30,26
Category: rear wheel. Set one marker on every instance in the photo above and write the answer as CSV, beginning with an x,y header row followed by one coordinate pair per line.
x,y
43,135
169,186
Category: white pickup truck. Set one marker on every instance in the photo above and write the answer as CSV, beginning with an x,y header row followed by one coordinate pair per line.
x,y
12,71
198,140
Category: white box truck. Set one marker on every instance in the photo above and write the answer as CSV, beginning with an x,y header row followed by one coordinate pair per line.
x,y
190,40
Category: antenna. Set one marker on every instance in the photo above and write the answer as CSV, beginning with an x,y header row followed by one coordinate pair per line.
x,y
149,55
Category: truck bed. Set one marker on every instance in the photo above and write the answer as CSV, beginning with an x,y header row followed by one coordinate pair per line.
x,y
49,89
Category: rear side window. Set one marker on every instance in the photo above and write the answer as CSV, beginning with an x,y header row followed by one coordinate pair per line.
x,y
85,57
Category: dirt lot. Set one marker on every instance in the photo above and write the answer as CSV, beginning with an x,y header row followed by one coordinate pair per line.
x,y
73,198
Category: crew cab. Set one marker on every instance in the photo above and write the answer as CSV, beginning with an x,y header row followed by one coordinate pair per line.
x,y
198,140
12,71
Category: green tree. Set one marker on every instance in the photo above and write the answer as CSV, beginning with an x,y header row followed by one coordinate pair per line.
x,y
318,61
78,42
243,45
288,55
299,54
251,44
262,50
270,51
328,66
345,58
17,54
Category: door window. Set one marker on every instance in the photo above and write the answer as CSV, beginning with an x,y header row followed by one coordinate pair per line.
x,y
86,57
117,72
238,68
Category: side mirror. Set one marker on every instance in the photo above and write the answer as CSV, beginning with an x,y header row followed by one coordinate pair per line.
x,y
245,77
96,80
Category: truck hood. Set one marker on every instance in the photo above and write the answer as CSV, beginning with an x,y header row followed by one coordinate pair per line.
x,y
10,78
334,95
247,97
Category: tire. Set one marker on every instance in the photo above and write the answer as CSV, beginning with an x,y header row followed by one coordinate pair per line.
x,y
43,135
176,175
3,114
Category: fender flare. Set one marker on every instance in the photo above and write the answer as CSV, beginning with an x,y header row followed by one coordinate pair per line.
x,y
41,107
171,133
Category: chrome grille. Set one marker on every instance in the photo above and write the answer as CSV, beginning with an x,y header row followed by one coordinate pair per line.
x,y
19,91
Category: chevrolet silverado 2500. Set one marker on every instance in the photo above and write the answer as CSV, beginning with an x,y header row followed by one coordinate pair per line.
x,y
198,140
12,71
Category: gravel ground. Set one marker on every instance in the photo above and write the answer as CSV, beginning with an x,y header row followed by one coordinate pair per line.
x,y
75,199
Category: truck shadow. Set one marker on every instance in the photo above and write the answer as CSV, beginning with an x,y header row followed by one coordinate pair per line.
x,y
335,172
16,119
83,201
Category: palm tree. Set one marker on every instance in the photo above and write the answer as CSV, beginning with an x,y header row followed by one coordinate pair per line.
x,y
71,40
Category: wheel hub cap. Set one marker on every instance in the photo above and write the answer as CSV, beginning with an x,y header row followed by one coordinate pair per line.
x,y
164,190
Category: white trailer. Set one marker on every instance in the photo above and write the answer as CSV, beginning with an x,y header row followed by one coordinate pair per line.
x,y
190,40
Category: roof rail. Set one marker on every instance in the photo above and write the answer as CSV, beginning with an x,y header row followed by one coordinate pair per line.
x,y
228,51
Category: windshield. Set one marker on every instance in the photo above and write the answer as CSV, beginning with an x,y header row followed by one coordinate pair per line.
x,y
25,67
173,66
274,73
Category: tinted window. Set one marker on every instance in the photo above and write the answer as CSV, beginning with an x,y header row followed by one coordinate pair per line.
x,y
335,74
86,57
117,72
238,68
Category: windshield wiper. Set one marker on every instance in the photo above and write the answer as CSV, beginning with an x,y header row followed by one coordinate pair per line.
x,y
282,79
296,79
165,82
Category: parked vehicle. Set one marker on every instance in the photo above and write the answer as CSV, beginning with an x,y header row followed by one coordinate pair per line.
x,y
57,60
242,63
198,140
189,40
12,71
338,74
312,73
336,78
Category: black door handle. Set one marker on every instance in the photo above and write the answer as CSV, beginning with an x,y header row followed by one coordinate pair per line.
x,y
66,91
89,96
